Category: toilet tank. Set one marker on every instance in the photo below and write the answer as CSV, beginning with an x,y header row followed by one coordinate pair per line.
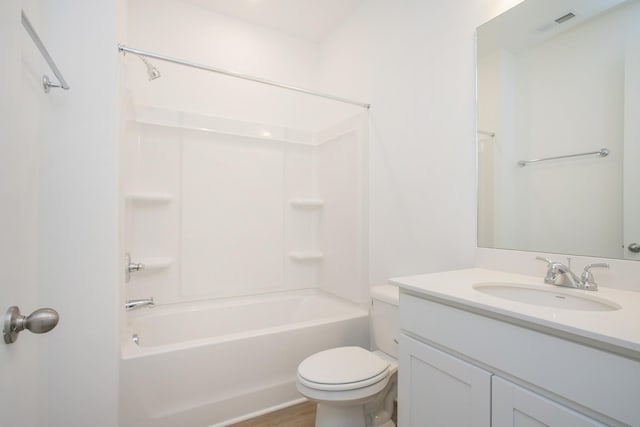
x,y
385,326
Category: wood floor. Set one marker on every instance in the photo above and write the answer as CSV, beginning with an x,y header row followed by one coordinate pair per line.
x,y
302,415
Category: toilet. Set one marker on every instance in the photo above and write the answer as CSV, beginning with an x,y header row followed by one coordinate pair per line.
x,y
352,386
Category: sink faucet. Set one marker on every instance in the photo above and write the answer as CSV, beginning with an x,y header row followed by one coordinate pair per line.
x,y
561,275
137,303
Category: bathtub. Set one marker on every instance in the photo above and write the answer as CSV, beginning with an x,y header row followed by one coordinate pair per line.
x,y
222,361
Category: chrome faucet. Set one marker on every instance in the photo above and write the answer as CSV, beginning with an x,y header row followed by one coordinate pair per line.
x,y
561,275
137,303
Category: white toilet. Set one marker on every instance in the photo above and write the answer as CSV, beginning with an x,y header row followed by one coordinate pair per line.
x,y
355,387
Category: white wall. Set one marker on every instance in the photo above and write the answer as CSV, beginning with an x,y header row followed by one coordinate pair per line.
x,y
190,32
414,61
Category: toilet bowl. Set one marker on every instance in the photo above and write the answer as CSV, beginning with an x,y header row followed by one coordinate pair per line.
x,y
352,386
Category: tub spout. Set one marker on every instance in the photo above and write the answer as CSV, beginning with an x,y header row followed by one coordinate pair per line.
x,y
136,303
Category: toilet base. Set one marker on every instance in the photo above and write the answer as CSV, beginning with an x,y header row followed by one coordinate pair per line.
x,y
376,412
344,416
340,416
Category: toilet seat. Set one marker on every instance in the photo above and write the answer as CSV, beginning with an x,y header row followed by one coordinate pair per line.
x,y
342,369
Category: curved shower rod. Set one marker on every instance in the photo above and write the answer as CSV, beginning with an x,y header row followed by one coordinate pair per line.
x,y
142,53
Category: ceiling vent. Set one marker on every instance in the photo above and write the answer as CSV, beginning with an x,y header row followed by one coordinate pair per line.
x,y
553,24
564,18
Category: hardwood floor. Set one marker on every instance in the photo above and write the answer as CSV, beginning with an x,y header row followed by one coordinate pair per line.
x,y
302,415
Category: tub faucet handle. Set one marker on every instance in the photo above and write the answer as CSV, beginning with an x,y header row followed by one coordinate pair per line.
x,y
131,267
135,266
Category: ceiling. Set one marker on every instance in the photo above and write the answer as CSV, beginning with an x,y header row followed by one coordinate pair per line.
x,y
309,19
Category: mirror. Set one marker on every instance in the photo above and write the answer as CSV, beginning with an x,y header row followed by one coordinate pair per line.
x,y
559,128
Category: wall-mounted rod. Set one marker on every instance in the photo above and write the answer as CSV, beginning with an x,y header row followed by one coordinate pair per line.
x,y
123,48
600,153
43,50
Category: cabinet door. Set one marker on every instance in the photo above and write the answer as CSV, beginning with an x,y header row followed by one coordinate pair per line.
x,y
512,405
437,389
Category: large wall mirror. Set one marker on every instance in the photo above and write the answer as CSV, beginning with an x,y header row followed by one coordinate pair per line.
x,y
559,128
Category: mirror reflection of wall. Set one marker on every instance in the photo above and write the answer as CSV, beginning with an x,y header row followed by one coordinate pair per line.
x,y
550,88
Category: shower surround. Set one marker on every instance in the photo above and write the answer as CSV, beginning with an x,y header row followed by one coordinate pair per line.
x,y
220,208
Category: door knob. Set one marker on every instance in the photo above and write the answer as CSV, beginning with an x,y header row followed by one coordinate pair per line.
x,y
38,322
634,247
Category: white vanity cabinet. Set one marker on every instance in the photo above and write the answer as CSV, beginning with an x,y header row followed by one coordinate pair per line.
x,y
460,366
441,388
512,405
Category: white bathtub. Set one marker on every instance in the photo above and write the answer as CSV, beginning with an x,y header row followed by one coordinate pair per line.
x,y
219,362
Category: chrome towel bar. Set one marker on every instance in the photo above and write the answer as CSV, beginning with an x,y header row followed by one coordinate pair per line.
x,y
46,83
600,153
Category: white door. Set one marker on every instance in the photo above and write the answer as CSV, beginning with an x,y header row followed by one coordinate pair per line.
x,y
631,175
437,389
514,406
18,231
58,213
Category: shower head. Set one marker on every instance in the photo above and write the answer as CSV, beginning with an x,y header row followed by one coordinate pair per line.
x,y
152,71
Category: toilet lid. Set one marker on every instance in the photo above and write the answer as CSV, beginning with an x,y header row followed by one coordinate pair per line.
x,y
352,367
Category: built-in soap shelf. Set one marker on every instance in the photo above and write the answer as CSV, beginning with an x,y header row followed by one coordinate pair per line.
x,y
156,263
307,203
306,256
149,198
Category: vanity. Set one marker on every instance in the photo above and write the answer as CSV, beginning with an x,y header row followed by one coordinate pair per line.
x,y
488,348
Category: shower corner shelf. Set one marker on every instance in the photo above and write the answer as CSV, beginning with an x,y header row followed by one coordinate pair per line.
x,y
149,198
307,203
306,256
156,263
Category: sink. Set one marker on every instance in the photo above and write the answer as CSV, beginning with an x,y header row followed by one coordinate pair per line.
x,y
551,296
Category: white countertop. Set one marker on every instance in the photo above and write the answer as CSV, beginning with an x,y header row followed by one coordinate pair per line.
x,y
616,330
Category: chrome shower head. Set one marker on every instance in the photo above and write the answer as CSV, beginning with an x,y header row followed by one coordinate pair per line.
x,y
152,71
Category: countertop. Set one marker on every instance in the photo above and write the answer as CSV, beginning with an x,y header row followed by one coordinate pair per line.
x,y
617,331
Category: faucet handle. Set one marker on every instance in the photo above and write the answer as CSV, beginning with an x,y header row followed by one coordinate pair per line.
x,y
597,265
547,260
587,277
552,270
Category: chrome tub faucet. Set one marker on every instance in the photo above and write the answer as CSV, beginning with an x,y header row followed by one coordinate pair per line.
x,y
561,275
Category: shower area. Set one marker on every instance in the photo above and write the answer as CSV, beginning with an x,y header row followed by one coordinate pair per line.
x,y
243,216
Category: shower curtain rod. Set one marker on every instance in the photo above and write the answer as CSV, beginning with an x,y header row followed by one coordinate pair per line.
x,y
139,52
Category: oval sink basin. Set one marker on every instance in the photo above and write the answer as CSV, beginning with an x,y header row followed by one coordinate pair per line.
x,y
551,297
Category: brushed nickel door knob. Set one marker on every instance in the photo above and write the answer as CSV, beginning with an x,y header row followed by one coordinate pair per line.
x,y
634,247
39,322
